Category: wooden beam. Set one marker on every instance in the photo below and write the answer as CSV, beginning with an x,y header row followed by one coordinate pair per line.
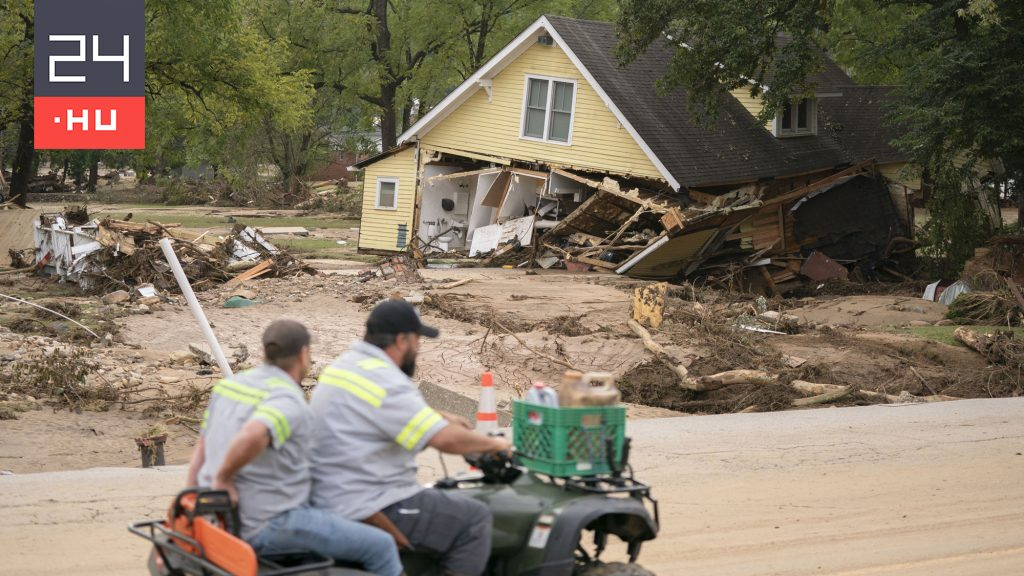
x,y
801,192
456,175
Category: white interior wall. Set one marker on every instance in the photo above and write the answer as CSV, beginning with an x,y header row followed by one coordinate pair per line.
x,y
480,215
433,192
522,194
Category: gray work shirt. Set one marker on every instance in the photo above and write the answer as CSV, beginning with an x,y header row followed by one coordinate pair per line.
x,y
370,421
278,479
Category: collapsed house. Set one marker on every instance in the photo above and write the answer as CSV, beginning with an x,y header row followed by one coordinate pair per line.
x,y
553,146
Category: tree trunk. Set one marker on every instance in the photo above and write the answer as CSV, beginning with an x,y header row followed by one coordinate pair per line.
x,y
388,85
94,174
1018,191
388,117
24,158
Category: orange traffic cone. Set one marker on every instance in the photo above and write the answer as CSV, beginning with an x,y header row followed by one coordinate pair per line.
x,y
487,414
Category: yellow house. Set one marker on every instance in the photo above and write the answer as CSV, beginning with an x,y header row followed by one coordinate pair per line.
x,y
553,112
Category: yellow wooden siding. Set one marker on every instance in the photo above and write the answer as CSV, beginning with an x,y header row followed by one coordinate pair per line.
x,y
901,173
378,229
598,141
753,104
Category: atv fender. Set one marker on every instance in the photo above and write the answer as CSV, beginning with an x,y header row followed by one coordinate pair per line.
x,y
626,518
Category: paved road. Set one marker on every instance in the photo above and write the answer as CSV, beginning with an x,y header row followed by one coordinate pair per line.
x,y
913,490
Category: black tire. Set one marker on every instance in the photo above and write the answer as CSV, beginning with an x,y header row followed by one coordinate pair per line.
x,y
614,569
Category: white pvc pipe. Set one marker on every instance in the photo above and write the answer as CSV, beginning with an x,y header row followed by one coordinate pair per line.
x,y
197,310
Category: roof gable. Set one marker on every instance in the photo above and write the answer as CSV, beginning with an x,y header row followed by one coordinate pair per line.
x,y
500,61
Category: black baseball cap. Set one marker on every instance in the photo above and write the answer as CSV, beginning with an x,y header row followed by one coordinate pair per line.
x,y
397,317
284,338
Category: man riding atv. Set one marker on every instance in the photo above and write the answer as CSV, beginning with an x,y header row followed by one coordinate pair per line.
x,y
255,441
370,422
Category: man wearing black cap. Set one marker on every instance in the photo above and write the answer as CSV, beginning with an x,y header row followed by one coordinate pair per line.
x,y
371,421
255,442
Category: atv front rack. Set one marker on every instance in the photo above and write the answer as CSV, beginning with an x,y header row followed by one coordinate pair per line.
x,y
608,485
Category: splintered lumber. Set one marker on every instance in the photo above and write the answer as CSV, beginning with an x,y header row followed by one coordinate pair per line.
x,y
730,377
258,270
664,357
826,397
455,284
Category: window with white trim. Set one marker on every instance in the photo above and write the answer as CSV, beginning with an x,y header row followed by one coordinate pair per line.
x,y
797,119
387,193
548,108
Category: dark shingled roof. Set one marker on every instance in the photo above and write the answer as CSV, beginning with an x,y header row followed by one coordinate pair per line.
x,y
737,149
857,120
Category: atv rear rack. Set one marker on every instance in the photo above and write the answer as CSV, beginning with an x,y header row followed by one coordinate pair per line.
x,y
163,538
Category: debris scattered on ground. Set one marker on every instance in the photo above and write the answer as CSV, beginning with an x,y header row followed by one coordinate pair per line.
x,y
109,255
986,308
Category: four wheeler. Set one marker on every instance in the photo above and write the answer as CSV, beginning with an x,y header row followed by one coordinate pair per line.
x,y
544,524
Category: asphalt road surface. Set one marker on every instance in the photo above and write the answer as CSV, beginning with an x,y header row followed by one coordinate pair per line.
x,y
918,490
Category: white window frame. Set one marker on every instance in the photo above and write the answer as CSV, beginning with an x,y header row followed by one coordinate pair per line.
x,y
547,109
381,180
812,121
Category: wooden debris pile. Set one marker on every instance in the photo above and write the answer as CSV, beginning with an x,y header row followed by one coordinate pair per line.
x,y
107,255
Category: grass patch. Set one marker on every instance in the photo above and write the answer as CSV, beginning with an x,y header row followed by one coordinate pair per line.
x,y
944,334
324,249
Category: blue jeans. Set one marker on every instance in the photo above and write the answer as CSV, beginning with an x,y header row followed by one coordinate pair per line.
x,y
311,529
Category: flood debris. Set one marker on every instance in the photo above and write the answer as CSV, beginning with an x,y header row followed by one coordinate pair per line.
x,y
109,255
772,237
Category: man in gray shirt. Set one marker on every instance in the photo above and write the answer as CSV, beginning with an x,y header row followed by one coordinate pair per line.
x,y
255,443
371,421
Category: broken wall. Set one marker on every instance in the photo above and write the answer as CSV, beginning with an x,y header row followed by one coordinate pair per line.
x,y
851,221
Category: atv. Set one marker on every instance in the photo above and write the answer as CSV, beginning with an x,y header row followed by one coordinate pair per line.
x,y
543,526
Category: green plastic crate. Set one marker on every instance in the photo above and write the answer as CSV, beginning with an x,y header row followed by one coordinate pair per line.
x,y
565,442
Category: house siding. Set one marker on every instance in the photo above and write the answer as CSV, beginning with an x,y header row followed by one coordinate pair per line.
x,y
753,104
901,173
599,143
381,229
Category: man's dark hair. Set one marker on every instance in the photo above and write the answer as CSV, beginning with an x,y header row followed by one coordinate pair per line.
x,y
282,342
380,340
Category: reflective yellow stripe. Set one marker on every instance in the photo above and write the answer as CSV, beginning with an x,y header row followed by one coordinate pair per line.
x,y
229,393
353,388
279,421
358,380
243,389
279,383
206,418
413,432
373,364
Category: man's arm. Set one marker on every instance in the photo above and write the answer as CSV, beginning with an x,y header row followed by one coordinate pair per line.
x,y
455,419
244,448
198,457
454,439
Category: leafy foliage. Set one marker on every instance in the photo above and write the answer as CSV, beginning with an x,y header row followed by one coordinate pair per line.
x,y
959,65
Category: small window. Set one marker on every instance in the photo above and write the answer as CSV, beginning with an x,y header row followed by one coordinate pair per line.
x,y
797,119
548,107
387,193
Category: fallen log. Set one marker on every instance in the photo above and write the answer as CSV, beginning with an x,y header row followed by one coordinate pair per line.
x,y
665,358
826,397
731,377
980,343
819,389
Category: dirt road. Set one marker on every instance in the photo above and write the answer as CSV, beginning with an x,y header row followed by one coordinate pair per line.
x,y
911,490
